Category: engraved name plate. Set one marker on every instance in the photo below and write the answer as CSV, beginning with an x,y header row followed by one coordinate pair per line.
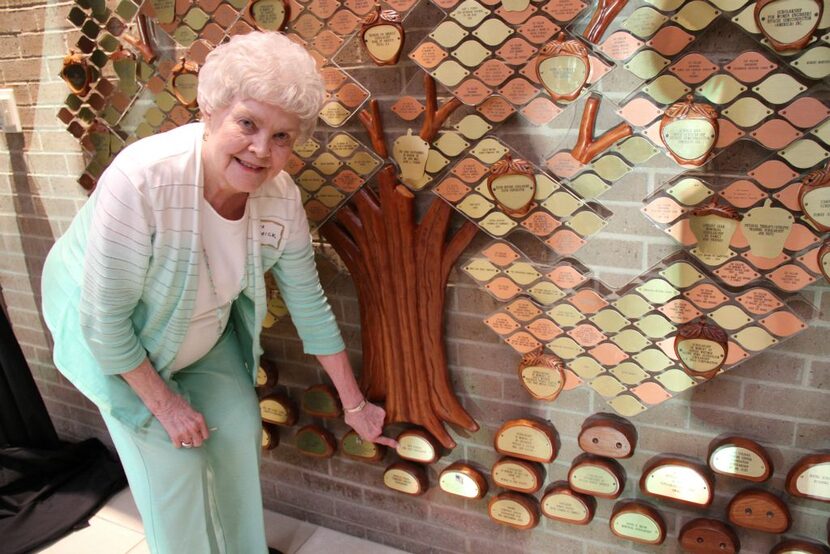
x,y
637,521
464,480
514,510
759,510
267,375
814,197
278,409
518,475
824,260
741,458
810,477
270,15
321,401
596,476
185,82
561,503
527,439
542,375
689,131
706,536
382,36
512,184
417,446
270,437
316,441
799,546
677,479
356,448
788,24
608,435
701,346
407,478
563,68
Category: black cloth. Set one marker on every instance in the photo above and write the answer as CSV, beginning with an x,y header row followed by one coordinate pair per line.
x,y
45,493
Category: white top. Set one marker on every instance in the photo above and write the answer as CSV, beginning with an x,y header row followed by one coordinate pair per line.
x,y
223,259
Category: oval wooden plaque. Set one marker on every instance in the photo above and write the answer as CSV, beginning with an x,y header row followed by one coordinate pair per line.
x,y
596,476
407,478
810,477
542,375
352,446
689,131
464,480
608,435
678,479
316,441
417,445
278,409
760,510
267,375
561,503
321,400
527,439
740,457
637,521
514,510
708,536
518,475
799,546
270,437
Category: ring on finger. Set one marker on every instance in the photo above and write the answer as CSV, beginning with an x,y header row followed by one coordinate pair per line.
x,y
187,444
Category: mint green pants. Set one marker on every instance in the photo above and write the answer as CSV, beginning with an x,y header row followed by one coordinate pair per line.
x,y
203,500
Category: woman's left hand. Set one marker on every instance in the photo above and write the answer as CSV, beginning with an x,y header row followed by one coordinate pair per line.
x,y
368,423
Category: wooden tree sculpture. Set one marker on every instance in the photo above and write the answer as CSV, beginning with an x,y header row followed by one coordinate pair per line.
x,y
400,268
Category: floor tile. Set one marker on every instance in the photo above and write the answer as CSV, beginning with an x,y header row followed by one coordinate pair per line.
x,y
140,548
328,540
285,533
100,536
121,510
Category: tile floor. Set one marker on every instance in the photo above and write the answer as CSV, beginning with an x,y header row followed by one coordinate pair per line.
x,y
117,529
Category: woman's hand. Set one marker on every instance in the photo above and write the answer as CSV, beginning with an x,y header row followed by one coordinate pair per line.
x,y
368,423
185,426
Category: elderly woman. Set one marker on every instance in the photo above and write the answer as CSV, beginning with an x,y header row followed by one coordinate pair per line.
x,y
155,297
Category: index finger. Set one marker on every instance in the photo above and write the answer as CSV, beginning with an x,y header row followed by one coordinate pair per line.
x,y
386,441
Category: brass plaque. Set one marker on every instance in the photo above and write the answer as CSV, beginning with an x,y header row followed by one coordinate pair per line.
x,y
563,76
278,410
405,478
734,460
594,480
321,401
518,475
527,439
677,482
315,441
355,447
269,15
463,480
788,23
814,482
816,205
514,510
689,139
638,522
542,382
416,446
383,42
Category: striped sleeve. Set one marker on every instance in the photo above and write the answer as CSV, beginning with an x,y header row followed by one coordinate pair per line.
x,y
296,276
117,258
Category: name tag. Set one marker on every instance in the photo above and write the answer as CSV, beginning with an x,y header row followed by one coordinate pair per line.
x,y
270,232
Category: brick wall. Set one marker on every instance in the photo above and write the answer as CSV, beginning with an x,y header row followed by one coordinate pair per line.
x,y
781,397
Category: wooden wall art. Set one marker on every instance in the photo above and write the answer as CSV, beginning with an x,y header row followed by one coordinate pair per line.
x,y
407,478
561,503
608,435
278,409
542,375
563,67
702,348
810,477
602,17
512,184
799,546
417,445
740,457
689,130
382,35
321,400
679,480
315,441
352,446
788,24
637,521
596,476
527,439
514,510
587,147
759,510
462,479
708,536
518,475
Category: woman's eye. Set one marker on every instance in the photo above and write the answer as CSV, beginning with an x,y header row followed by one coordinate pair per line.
x,y
282,138
246,124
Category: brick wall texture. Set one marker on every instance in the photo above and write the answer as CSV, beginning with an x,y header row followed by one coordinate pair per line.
x,y
781,398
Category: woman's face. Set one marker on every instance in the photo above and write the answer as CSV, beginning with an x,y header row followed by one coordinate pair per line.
x,y
247,143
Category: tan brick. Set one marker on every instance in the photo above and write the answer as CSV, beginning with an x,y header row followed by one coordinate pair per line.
x,y
304,498
392,502
9,47
709,418
365,516
722,391
793,402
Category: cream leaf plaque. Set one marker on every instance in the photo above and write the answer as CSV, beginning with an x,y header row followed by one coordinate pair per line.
x,y
411,153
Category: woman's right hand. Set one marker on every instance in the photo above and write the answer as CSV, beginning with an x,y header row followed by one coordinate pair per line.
x,y
185,426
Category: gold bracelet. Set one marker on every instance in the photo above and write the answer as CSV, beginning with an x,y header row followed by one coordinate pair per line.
x,y
357,408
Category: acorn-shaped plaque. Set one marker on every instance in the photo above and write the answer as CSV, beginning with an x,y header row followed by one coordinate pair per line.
x,y
608,435
814,197
561,503
701,346
185,75
707,536
689,131
766,229
713,226
512,184
562,67
382,36
634,520
542,375
788,24
462,479
77,73
270,15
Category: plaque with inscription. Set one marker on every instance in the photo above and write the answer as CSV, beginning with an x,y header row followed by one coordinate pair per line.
x,y
596,476
417,445
518,475
759,510
514,510
689,131
561,503
678,479
267,375
382,36
740,457
713,226
766,229
316,441
77,73
542,375
270,15
512,184
637,521
799,546
701,346
562,67
527,439
352,446
608,435
788,24
270,437
814,197
464,480
407,478
321,401
185,82
708,536
278,409
810,477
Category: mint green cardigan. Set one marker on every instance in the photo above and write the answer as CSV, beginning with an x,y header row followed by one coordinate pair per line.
x,y
120,284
